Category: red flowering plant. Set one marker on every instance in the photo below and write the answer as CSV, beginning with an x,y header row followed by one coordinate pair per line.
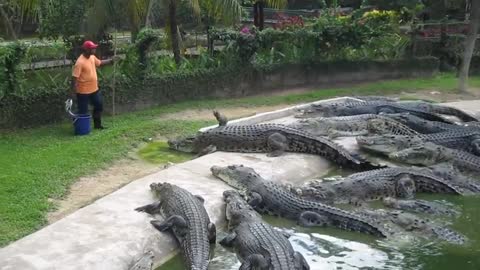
x,y
285,22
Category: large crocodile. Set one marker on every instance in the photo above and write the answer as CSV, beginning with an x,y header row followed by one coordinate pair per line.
x,y
187,218
271,198
339,126
408,222
429,154
271,138
376,184
257,243
466,140
368,107
420,206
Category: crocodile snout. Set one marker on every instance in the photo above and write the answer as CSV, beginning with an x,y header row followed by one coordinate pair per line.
x,y
215,170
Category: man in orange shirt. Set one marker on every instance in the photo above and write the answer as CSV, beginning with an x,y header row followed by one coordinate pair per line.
x,y
85,82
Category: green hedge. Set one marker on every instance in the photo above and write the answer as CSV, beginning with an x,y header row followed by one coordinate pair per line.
x,y
42,106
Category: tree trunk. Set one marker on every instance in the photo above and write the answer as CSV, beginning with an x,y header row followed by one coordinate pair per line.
x,y
148,21
172,16
261,6
255,14
8,23
469,45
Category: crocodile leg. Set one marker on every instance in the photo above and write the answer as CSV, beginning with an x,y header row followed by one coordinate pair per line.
x,y
476,146
228,240
255,199
300,262
310,219
174,220
254,262
277,143
151,209
212,233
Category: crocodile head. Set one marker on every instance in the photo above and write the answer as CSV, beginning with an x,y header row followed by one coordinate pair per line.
x,y
161,189
237,209
183,144
426,154
237,176
386,144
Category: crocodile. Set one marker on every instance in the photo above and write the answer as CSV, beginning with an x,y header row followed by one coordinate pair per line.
x,y
426,127
367,107
257,243
274,139
429,154
408,222
376,184
339,126
420,206
145,262
270,198
466,140
187,218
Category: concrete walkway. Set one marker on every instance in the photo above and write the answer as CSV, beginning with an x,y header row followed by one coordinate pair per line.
x,y
109,234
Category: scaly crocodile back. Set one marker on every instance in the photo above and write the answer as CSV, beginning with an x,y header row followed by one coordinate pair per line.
x,y
254,139
195,243
278,201
424,182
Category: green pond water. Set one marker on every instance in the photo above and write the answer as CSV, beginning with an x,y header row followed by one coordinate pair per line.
x,y
330,248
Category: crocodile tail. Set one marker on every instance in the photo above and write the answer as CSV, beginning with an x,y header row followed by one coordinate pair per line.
x,y
341,156
465,117
432,184
349,221
449,235
420,113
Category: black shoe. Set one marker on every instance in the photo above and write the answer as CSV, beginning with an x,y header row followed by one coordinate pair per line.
x,y
97,123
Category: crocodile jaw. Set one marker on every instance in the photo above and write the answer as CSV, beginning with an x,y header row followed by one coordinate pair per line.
x,y
185,144
377,144
416,156
236,176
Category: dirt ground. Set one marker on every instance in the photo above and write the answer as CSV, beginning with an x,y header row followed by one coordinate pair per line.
x,y
89,188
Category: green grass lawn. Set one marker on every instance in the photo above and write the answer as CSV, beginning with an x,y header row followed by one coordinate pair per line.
x,y
39,164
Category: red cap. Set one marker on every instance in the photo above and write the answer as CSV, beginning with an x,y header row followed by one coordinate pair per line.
x,y
89,45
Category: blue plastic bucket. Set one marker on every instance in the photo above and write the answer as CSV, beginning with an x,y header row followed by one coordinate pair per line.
x,y
81,122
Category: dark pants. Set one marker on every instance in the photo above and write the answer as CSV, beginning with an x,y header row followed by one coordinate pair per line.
x,y
95,99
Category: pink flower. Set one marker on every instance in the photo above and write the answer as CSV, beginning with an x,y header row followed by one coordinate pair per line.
x,y
245,30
